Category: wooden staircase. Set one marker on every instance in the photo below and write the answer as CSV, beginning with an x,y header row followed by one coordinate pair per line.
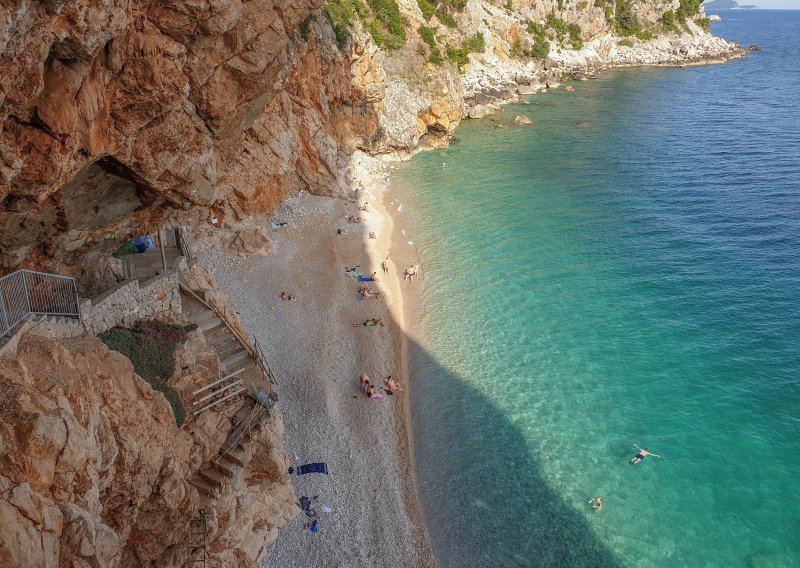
x,y
233,455
234,358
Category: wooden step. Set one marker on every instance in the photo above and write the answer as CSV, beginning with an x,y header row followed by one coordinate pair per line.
x,y
227,348
211,324
220,401
225,467
236,456
214,477
200,315
233,358
219,340
222,388
203,487
243,365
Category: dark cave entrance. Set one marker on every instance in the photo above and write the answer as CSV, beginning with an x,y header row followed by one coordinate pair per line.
x,y
102,194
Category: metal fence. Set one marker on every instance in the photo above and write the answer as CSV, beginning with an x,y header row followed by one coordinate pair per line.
x,y
26,292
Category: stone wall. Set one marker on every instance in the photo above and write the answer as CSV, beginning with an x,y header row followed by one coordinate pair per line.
x,y
130,302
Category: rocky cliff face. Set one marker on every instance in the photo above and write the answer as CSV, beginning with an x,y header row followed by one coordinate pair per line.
x,y
118,114
95,473
114,113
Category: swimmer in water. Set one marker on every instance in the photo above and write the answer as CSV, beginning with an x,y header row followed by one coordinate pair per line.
x,y
596,503
637,459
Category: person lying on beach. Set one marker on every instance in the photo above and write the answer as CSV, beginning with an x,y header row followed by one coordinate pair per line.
x,y
372,322
311,524
392,386
637,459
375,395
352,219
365,292
596,503
372,236
365,383
287,297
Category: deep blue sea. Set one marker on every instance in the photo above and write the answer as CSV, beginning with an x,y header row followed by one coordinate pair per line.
x,y
625,270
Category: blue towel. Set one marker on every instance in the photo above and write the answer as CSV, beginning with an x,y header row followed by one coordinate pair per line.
x,y
365,279
313,468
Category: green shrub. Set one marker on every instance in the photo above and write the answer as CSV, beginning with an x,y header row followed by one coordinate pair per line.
x,y
625,21
447,19
427,8
388,14
627,42
427,36
540,49
150,345
687,9
704,23
475,44
575,36
538,31
436,56
669,21
560,5
341,14
644,35
557,24
516,49
510,6
459,55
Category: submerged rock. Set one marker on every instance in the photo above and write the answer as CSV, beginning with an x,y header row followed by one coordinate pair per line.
x,y
522,120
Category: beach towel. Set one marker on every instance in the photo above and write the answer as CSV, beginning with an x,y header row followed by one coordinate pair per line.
x,y
312,468
366,279
354,274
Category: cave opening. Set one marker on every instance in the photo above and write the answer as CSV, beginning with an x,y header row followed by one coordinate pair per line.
x,y
102,194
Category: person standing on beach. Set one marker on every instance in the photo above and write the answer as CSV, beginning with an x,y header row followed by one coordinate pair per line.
x,y
637,459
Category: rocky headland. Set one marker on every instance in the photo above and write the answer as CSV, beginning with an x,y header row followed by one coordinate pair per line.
x,y
120,116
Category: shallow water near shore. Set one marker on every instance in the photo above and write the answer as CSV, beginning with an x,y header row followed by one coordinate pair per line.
x,y
625,270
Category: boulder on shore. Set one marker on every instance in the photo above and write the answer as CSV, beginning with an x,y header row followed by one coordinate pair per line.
x,y
521,120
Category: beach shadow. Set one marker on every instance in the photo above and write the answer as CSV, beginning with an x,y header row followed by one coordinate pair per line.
x,y
483,495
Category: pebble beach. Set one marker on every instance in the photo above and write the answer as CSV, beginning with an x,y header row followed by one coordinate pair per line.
x,y
318,356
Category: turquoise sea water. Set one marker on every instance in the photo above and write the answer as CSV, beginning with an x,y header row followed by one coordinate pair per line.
x,y
625,270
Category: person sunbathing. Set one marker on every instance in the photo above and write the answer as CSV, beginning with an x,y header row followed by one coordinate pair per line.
x,y
392,386
287,297
372,322
365,383
353,219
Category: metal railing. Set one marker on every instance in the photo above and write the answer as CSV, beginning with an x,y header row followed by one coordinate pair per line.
x,y
25,292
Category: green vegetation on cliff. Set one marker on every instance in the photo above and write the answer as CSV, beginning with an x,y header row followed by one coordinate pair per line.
x,y
428,36
388,28
150,345
382,20
459,55
342,14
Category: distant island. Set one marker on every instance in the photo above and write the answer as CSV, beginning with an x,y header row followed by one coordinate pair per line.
x,y
726,5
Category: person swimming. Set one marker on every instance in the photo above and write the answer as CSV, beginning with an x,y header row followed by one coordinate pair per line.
x,y
596,503
637,459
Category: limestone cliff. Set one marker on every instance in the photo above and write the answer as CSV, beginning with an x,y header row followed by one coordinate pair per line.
x,y
118,114
94,471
